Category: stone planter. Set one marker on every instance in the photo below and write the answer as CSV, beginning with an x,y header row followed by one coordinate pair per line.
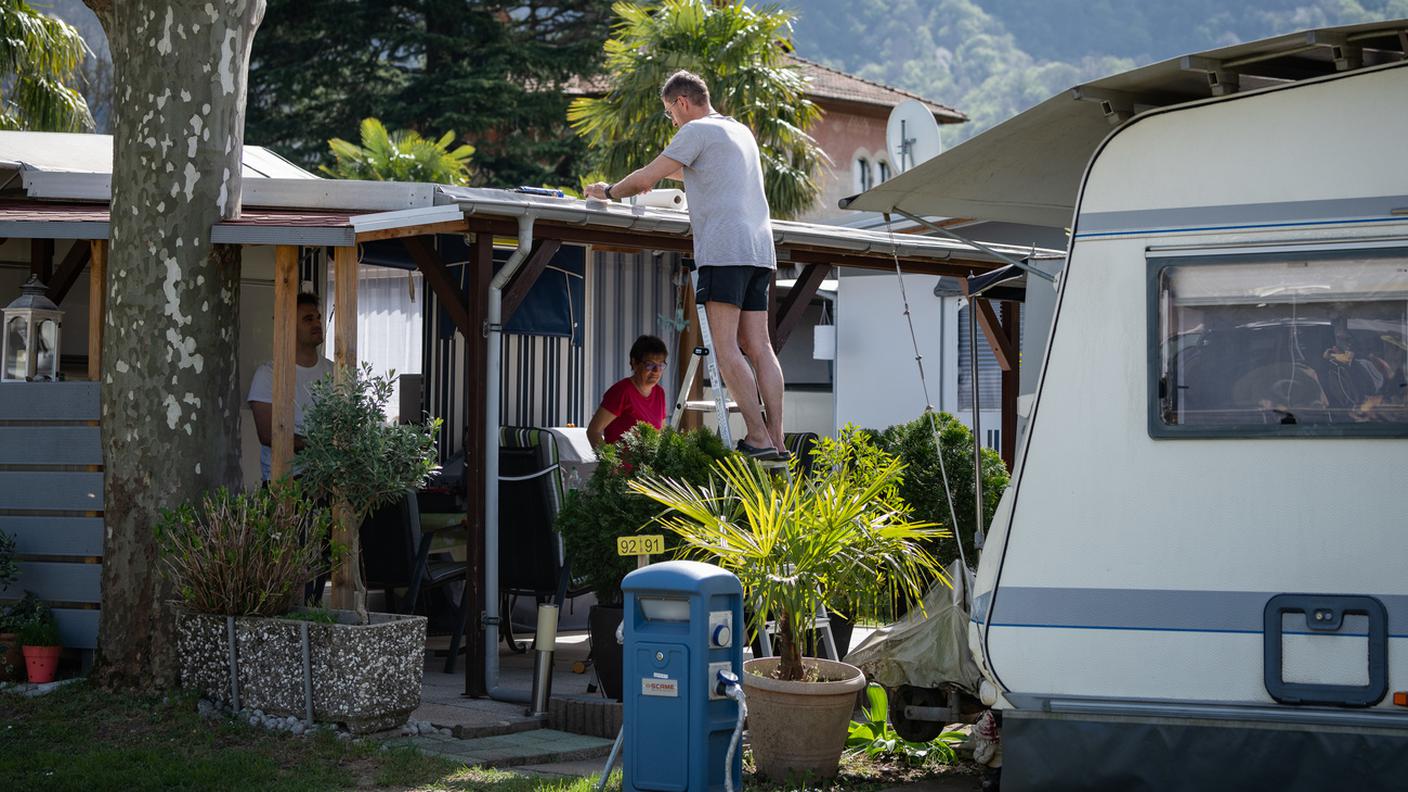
x,y
366,676
798,729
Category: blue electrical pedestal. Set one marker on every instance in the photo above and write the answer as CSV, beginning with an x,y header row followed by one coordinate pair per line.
x,y
683,624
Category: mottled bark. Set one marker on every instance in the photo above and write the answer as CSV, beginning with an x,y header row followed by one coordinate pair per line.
x,y
170,405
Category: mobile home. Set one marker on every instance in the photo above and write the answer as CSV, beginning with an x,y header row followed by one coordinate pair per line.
x,y
1195,579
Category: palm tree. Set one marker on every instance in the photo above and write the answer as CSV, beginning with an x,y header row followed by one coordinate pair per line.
x,y
740,52
400,156
39,58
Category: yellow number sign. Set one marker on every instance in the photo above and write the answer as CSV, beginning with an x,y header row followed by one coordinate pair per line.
x,y
649,544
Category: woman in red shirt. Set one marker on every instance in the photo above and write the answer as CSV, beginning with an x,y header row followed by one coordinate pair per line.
x,y
635,399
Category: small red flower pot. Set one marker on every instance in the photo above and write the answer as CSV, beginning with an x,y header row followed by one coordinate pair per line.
x,y
41,662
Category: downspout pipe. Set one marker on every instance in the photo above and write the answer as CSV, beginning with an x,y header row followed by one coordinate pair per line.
x,y
493,361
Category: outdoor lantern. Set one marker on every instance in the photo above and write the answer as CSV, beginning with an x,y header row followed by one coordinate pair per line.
x,y
31,341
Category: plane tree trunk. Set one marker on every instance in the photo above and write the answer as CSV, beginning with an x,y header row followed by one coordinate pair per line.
x,y
170,407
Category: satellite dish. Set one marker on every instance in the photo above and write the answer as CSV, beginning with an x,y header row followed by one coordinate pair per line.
x,y
912,135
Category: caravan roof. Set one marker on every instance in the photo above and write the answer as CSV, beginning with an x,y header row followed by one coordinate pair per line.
x,y
1028,168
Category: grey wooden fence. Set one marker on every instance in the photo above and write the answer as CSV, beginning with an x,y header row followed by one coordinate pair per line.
x,y
51,499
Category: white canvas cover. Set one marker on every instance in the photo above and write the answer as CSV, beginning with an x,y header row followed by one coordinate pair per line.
x,y
926,648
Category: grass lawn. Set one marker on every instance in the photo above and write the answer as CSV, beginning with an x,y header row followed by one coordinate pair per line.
x,y
80,738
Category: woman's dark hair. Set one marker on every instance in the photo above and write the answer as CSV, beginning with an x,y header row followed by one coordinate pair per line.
x,y
647,345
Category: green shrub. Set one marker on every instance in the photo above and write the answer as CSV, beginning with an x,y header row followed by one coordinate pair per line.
x,y
41,633
922,485
357,461
244,554
593,516
15,616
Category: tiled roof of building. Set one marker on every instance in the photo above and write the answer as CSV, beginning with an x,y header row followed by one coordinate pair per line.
x,y
826,84
829,83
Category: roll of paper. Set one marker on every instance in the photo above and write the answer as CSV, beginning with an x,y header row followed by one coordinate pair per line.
x,y
662,199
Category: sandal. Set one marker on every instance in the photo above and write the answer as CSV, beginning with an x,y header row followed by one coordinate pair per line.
x,y
768,454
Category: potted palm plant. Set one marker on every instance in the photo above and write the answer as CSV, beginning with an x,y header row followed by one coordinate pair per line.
x,y
795,542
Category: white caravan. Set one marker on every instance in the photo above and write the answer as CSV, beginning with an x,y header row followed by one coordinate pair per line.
x,y
1198,577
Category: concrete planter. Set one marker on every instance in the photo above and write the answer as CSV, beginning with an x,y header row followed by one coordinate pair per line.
x,y
366,676
798,729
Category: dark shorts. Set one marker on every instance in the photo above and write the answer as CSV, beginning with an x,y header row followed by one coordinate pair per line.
x,y
744,286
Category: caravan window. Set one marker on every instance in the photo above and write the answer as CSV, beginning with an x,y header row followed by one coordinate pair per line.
x,y
1292,344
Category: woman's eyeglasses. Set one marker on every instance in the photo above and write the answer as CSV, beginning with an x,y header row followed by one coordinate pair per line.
x,y
653,367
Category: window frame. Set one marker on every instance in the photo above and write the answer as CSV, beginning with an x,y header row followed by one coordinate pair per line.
x,y
1156,261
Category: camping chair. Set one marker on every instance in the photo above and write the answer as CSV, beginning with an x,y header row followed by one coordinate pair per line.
x,y
801,445
531,561
396,554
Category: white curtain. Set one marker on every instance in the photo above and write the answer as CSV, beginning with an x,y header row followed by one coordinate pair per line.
x,y
389,311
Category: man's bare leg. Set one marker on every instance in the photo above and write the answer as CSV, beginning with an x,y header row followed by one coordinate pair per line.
x,y
736,373
757,344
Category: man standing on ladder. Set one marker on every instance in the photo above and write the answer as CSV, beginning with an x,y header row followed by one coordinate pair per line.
x,y
733,248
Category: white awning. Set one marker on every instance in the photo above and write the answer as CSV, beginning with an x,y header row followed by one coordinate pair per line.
x,y
1028,168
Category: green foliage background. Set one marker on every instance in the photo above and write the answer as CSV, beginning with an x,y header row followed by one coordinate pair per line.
x,y
593,516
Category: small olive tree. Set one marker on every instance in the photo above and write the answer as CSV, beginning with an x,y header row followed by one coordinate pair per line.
x,y
357,461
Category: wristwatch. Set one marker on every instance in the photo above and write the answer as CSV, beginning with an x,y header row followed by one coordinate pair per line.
x,y
609,197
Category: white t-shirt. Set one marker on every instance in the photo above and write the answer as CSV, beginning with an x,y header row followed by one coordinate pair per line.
x,y
261,389
728,209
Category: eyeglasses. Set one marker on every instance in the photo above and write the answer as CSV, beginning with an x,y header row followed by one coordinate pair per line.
x,y
653,367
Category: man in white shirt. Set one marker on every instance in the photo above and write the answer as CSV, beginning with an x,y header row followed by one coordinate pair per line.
x,y
733,247
311,368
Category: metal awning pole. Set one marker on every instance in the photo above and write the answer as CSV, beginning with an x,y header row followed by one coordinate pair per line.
x,y
977,424
1018,263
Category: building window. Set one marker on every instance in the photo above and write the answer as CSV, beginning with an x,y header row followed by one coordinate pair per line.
x,y
884,171
1296,343
863,178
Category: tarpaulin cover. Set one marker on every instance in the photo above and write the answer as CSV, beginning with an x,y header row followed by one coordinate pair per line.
x,y
924,649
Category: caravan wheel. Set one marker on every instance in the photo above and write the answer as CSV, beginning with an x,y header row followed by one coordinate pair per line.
x,y
916,730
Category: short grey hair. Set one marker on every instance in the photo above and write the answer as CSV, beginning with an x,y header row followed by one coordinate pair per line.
x,y
687,84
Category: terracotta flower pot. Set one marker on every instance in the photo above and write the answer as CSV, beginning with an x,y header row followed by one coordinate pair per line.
x,y
798,729
12,660
41,662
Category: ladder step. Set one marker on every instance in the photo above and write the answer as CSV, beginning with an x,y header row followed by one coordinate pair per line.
x,y
701,405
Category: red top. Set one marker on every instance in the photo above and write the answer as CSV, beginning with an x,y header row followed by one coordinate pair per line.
x,y
624,401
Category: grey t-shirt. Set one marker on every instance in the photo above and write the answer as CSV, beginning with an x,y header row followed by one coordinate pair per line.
x,y
723,177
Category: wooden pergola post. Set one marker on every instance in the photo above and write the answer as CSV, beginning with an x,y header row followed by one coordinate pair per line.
x,y
97,305
285,357
481,271
346,578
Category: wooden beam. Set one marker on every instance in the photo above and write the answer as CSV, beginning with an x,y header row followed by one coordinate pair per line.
x,y
285,356
1011,382
67,275
97,305
344,331
447,227
475,445
586,236
958,268
796,302
446,290
522,283
1001,348
41,259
